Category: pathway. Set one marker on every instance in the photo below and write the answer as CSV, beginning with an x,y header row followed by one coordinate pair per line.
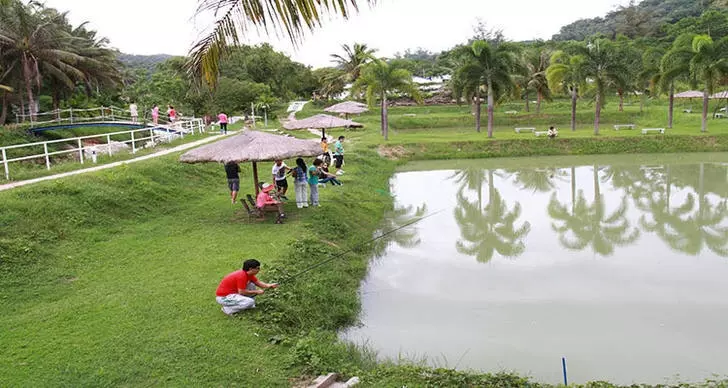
x,y
182,147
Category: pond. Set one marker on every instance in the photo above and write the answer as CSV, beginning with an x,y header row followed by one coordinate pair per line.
x,y
619,264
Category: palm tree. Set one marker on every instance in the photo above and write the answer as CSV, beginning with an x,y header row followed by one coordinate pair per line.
x,y
489,65
564,73
707,61
292,17
490,229
602,67
354,58
536,62
674,66
649,78
590,225
379,79
393,221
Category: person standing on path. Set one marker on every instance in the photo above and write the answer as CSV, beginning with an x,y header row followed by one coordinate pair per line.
x,y
232,170
155,114
223,121
279,177
134,112
172,114
300,182
237,290
339,155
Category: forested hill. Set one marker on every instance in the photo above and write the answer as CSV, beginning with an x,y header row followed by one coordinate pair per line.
x,y
647,19
148,62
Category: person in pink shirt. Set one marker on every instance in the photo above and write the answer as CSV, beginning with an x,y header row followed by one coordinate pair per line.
x,y
223,121
155,114
265,202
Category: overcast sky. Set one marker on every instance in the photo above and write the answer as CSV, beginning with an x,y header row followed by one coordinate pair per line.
x,y
169,26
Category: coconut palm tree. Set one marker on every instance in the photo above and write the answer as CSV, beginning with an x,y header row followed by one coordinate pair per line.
x,y
649,78
536,61
707,62
354,58
379,79
564,73
675,66
393,221
601,67
490,229
233,18
491,66
590,225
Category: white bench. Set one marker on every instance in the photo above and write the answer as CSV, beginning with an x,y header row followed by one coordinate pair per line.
x,y
619,126
687,111
541,133
525,129
658,130
719,115
511,112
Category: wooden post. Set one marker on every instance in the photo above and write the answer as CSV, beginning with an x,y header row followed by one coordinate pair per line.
x,y
102,113
108,144
255,178
151,136
47,157
71,115
5,162
133,147
80,150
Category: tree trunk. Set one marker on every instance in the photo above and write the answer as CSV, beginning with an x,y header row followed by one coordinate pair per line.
x,y
642,102
573,189
597,191
671,105
4,111
528,107
381,113
28,87
385,123
491,102
598,113
704,124
573,108
477,111
539,98
621,100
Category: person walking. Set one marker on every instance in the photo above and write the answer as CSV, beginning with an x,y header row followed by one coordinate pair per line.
x,y
134,112
223,121
232,170
155,114
300,176
339,155
237,290
279,177
172,114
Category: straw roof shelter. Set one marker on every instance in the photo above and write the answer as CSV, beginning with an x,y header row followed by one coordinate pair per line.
x,y
689,94
720,95
252,146
347,108
322,122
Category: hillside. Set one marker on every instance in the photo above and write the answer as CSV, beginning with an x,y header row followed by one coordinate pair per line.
x,y
645,19
148,62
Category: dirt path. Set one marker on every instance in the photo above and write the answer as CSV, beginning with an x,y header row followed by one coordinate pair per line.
x,y
182,147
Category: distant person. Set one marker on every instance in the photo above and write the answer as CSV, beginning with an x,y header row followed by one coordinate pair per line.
x,y
134,112
279,177
326,155
237,290
232,170
339,155
223,121
155,114
552,132
171,114
300,181
313,181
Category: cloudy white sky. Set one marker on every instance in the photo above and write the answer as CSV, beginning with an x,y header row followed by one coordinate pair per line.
x,y
170,27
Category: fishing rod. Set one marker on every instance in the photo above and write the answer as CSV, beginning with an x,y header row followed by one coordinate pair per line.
x,y
334,257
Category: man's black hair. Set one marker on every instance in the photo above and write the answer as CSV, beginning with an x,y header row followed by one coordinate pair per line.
x,y
342,137
251,264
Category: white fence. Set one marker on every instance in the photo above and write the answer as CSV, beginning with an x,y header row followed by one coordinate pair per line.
x,y
145,135
75,115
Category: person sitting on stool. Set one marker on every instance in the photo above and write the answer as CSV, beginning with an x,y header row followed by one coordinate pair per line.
x,y
552,132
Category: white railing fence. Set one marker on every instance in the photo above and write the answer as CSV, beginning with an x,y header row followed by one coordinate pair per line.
x,y
76,115
147,137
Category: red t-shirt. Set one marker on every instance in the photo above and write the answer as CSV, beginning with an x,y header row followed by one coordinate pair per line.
x,y
233,282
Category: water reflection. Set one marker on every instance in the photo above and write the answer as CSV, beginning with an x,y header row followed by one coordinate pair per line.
x,y
393,221
590,225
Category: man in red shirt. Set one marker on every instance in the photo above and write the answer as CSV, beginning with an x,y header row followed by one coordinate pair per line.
x,y
237,290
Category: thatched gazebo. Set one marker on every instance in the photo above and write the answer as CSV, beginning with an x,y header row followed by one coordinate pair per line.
x,y
689,94
252,146
347,108
321,122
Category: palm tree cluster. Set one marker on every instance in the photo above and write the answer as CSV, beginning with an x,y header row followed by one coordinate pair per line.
x,y
42,53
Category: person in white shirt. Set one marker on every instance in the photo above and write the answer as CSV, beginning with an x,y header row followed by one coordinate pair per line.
x,y
279,176
134,111
552,132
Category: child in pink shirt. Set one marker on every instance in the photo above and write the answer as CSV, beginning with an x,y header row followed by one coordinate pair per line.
x,y
223,121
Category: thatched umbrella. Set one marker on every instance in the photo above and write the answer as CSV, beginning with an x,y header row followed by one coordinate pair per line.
x,y
252,146
347,108
321,122
690,94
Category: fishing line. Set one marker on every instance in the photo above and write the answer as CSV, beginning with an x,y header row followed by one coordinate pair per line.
x,y
339,255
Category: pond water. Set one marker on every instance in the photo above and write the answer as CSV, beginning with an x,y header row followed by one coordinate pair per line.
x,y
619,264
